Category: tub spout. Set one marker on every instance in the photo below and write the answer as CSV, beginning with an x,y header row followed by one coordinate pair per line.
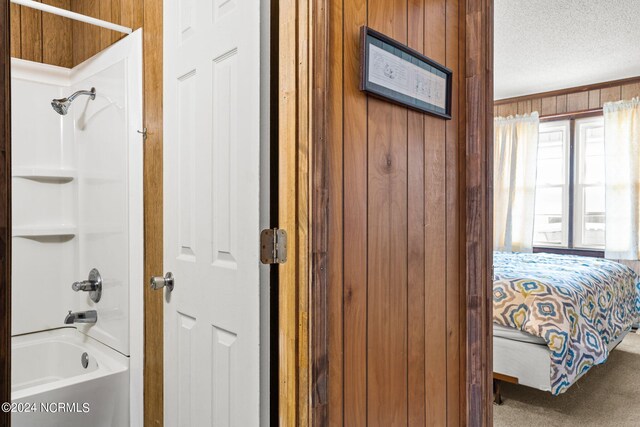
x,y
90,316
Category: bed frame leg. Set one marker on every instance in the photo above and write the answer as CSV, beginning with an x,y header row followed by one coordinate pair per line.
x,y
497,396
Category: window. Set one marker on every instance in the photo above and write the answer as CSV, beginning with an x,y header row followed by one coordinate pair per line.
x,y
569,209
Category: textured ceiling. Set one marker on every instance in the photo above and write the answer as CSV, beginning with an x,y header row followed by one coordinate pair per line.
x,y
543,45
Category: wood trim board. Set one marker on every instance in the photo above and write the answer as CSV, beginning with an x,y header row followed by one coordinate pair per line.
x,y
294,129
505,378
148,15
5,211
319,218
479,211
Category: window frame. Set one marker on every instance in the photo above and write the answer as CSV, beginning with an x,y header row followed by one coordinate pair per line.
x,y
570,249
578,183
566,190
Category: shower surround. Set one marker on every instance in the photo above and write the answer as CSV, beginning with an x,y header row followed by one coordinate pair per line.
x,y
77,205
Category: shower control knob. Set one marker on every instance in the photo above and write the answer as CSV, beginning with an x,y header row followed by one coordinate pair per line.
x,y
159,282
93,285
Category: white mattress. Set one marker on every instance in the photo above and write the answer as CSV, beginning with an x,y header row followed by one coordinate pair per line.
x,y
515,335
526,361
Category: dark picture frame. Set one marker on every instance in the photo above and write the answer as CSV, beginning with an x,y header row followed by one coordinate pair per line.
x,y
403,76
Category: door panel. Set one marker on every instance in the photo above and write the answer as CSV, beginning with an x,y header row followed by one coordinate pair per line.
x,y
211,211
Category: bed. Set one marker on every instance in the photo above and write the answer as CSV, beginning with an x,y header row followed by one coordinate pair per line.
x,y
557,316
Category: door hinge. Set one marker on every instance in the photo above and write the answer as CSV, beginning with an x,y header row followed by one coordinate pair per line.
x,y
273,246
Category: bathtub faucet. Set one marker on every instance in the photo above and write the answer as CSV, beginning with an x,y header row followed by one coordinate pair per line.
x,y
90,316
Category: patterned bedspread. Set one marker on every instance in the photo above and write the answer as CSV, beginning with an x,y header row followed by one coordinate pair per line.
x,y
578,305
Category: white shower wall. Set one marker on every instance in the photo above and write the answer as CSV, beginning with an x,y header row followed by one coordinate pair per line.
x,y
44,199
77,194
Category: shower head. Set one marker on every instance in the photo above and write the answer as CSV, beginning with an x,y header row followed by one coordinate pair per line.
x,y
61,106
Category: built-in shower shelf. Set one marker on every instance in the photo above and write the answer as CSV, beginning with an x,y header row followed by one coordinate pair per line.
x,y
36,173
44,230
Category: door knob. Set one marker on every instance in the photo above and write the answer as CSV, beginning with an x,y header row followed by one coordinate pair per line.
x,y
159,282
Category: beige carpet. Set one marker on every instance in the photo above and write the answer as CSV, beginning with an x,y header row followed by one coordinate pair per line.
x,y
608,395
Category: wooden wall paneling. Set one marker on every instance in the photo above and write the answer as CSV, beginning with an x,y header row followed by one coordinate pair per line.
x,y
16,32
524,107
561,104
104,13
435,233
610,94
56,40
153,198
312,34
549,106
387,240
5,210
594,99
478,233
578,101
132,12
31,37
336,254
630,91
320,225
41,37
536,105
320,152
116,16
86,38
335,283
486,250
355,220
452,170
506,110
416,364
571,100
567,91
462,214
396,182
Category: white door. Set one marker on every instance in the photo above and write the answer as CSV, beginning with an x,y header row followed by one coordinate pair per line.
x,y
211,212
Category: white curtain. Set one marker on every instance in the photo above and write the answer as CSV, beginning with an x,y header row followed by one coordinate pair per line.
x,y
622,178
515,160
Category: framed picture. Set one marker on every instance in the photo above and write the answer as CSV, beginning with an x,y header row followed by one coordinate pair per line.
x,y
396,73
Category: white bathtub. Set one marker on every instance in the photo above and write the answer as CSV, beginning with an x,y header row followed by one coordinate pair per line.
x,y
47,371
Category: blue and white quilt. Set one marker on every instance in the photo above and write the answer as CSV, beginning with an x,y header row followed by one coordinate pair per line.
x,y
578,305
